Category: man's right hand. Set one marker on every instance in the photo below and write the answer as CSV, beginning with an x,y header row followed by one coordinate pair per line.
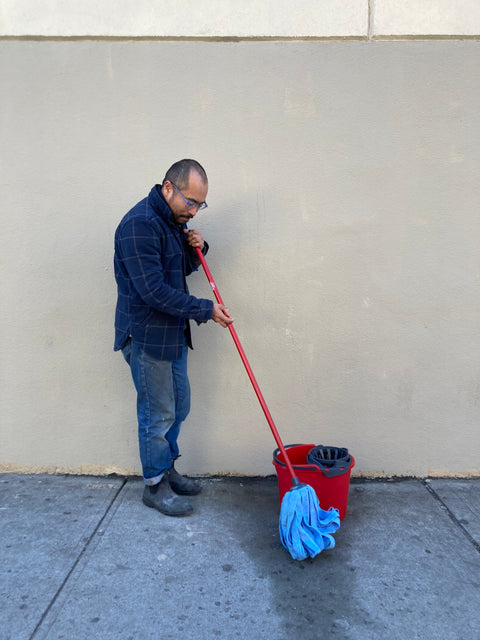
x,y
221,314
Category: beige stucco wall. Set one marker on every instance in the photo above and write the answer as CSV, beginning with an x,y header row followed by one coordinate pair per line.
x,y
191,18
343,221
425,17
239,18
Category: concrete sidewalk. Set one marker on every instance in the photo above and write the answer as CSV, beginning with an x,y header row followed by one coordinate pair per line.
x,y
82,558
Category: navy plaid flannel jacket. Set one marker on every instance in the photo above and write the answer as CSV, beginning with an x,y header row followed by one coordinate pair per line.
x,y
152,260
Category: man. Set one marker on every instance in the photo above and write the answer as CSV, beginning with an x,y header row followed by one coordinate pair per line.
x,y
154,252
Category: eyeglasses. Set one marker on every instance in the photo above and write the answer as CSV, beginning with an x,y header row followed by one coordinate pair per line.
x,y
190,204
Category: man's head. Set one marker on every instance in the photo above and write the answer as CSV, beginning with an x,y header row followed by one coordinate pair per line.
x,y
185,188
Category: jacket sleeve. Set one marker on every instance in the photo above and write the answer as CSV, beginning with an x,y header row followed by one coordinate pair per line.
x,y
141,255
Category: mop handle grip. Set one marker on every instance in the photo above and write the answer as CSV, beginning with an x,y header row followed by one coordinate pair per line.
x,y
248,368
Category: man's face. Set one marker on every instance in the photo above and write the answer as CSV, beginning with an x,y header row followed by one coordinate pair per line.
x,y
196,191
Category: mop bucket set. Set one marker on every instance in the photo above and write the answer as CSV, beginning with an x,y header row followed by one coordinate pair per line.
x,y
307,476
326,469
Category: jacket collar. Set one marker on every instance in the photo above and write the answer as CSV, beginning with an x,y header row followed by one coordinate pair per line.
x,y
159,205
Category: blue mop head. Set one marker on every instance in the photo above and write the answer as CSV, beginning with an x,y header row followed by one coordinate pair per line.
x,y
305,528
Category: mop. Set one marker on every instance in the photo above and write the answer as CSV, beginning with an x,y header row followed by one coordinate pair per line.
x,y
305,529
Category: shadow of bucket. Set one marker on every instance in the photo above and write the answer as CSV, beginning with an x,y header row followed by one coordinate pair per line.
x,y
331,486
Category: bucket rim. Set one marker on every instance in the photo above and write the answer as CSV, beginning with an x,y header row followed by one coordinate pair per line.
x,y
302,467
313,467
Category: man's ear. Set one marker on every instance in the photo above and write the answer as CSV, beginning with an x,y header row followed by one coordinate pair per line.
x,y
167,189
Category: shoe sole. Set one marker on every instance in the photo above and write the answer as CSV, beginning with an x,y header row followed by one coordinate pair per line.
x,y
165,512
186,493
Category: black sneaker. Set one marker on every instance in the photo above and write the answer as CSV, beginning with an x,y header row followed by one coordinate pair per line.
x,y
162,498
182,485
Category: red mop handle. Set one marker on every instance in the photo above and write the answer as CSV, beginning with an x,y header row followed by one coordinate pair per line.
x,y
235,337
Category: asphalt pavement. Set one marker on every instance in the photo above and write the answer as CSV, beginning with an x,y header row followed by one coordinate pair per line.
x,y
83,559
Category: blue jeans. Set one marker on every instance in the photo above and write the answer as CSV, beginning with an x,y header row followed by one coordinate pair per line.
x,y
163,403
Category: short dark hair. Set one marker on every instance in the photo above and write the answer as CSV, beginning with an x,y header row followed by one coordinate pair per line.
x,y
179,173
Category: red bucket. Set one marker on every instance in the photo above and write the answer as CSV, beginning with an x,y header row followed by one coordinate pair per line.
x,y
331,491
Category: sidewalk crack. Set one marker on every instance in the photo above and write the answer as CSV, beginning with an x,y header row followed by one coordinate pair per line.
x,y
451,515
77,561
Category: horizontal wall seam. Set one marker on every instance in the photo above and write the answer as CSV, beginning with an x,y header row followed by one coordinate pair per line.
x,y
235,39
424,37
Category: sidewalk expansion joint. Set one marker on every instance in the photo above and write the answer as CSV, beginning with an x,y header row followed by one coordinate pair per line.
x,y
77,561
451,515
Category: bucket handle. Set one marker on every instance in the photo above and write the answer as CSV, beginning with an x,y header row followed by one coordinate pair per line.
x,y
302,467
